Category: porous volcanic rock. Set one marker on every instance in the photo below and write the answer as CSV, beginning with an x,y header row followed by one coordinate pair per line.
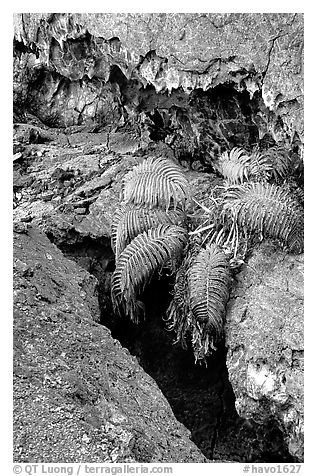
x,y
69,189
77,61
265,340
79,395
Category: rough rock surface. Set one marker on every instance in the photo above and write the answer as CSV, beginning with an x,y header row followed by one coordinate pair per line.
x,y
93,95
74,187
265,339
79,395
76,61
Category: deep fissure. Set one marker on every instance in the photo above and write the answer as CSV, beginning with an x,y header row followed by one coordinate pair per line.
x,y
200,396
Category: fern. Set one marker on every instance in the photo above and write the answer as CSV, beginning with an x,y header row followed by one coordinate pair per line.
x,y
237,167
147,235
148,252
268,210
200,296
233,166
156,182
279,161
131,220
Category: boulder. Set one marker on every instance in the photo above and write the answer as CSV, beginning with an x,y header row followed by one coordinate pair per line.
x,y
265,340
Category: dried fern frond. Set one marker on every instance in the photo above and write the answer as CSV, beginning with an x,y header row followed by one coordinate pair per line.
x,y
268,210
179,317
156,182
216,228
200,295
130,220
148,252
233,165
178,312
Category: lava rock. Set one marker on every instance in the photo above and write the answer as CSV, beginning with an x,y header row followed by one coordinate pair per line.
x,y
260,53
78,395
265,340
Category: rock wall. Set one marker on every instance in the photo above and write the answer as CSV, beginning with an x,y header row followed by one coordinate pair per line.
x,y
79,395
265,340
79,62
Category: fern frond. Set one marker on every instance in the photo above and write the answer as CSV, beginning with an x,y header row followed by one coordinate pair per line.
x,y
259,167
130,220
268,210
237,166
233,166
208,281
148,252
279,161
200,295
156,182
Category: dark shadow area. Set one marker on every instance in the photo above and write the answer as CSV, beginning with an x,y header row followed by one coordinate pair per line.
x,y
117,76
197,126
201,396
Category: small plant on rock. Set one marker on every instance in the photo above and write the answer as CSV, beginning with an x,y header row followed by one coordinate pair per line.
x,y
149,233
